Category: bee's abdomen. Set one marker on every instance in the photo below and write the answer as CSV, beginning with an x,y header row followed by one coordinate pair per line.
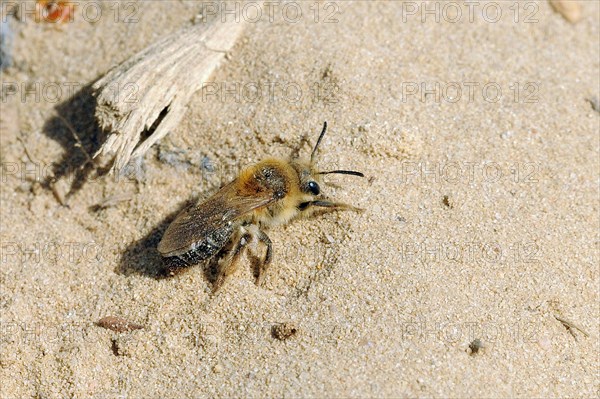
x,y
201,250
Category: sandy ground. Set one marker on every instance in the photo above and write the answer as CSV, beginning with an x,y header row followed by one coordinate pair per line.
x,y
481,205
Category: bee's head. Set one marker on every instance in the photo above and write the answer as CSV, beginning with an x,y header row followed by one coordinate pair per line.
x,y
310,177
310,180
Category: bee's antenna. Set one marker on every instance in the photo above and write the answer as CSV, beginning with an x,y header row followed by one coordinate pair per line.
x,y
343,172
312,154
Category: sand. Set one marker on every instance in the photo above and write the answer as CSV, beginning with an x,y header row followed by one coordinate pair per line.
x,y
481,216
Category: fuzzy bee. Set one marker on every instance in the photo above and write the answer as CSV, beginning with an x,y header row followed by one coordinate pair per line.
x,y
271,192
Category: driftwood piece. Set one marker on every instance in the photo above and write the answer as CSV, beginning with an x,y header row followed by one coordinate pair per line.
x,y
152,88
569,9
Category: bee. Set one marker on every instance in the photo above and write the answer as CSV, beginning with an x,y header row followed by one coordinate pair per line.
x,y
271,192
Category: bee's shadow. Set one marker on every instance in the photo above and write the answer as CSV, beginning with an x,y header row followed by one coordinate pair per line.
x,y
142,257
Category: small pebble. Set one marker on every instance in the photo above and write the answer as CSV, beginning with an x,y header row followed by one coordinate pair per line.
x,y
446,201
475,346
506,135
118,324
594,103
283,331
6,40
545,343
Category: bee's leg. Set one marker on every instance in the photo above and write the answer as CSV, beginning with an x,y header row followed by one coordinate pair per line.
x,y
332,206
228,264
266,261
259,264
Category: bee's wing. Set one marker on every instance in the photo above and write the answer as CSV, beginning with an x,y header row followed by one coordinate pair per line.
x,y
201,220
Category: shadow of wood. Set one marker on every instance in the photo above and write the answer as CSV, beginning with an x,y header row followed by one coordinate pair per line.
x,y
75,128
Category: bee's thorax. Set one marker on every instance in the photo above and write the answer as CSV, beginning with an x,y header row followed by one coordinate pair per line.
x,y
285,179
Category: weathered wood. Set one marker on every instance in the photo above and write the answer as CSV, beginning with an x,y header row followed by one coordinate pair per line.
x,y
157,82
569,9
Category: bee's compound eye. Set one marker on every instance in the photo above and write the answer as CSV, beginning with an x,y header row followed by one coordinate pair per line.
x,y
314,188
